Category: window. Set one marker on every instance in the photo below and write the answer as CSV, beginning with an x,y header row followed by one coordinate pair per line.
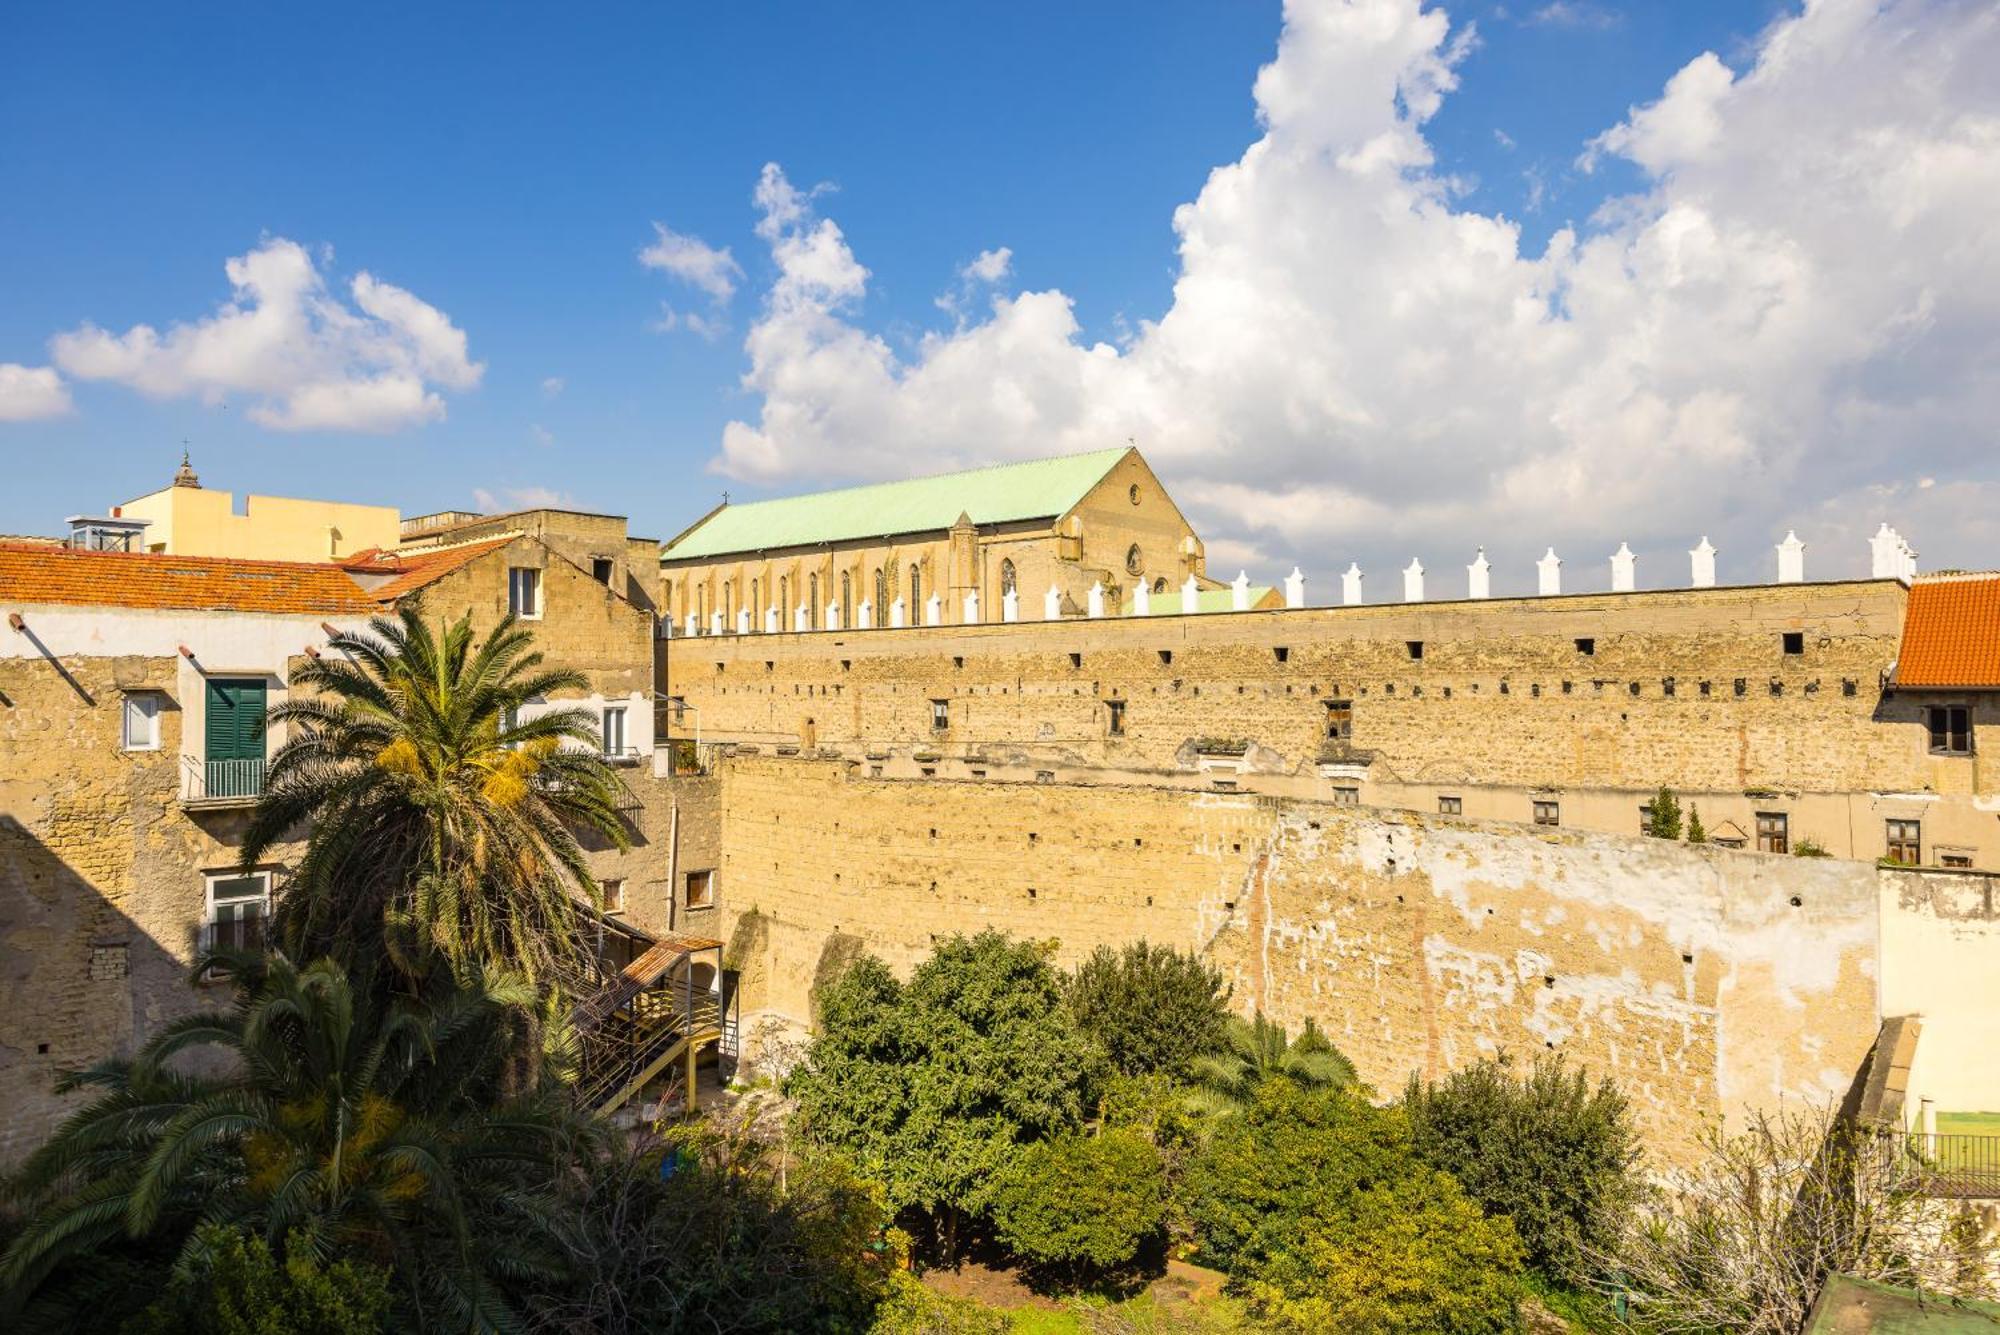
x,y
1007,577
812,603
1906,843
1451,806
1135,560
237,907
846,600
1548,813
881,596
756,605
1794,642
1773,832
699,890
142,721
1133,493
524,592
784,602
1340,719
1347,797
916,616
1416,648
1957,860
940,714
1160,584
613,892
613,730
1951,729
1115,717
1586,646
600,569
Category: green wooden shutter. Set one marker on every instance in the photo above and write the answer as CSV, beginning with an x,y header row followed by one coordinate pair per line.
x,y
235,724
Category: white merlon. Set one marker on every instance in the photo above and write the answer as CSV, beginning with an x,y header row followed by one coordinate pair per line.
x,y
933,611
971,612
1052,604
693,624
864,615
1891,556
899,617
770,621
715,623
1703,562
742,621
1190,596
1295,588
1549,574
832,621
1142,600
1010,606
1095,600
1239,591
1413,581
802,618
1479,577
1624,569
1350,585
1791,559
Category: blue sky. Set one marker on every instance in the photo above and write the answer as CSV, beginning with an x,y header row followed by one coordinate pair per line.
x,y
507,168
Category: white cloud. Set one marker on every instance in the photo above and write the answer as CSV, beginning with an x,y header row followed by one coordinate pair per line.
x,y
310,361
553,386
988,266
1574,14
1798,308
709,327
693,261
29,393
521,498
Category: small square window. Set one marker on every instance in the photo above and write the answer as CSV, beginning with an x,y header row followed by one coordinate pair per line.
x,y
600,570
1416,648
1347,797
1340,719
1586,646
698,890
940,715
1451,806
613,893
1950,728
1548,813
1115,717
1906,843
142,721
524,592
1282,653
1795,642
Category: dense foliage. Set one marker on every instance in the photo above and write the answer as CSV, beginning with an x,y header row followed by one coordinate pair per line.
x,y
1546,1149
238,1287
1082,1203
1663,815
1253,1051
935,1085
1153,1008
340,1123
442,822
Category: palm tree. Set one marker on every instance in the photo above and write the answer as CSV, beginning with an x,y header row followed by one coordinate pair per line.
x,y
346,1125
441,821
1254,1051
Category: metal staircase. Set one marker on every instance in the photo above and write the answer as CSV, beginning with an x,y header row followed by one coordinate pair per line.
x,y
633,1022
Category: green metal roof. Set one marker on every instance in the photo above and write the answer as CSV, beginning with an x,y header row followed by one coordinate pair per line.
x,y
1168,604
1037,489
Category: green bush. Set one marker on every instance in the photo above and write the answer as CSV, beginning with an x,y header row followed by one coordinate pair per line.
x,y
1545,1149
1293,1155
1082,1203
237,1287
1153,1008
1697,832
1663,815
1412,1255
912,1309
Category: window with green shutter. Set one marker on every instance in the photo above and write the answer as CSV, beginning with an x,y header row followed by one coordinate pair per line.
x,y
234,738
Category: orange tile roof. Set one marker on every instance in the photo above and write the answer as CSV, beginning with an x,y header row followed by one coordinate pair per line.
x,y
415,570
70,576
1951,633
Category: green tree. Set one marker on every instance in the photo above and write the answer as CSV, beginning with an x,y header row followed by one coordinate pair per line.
x,y
933,1086
239,1288
1410,1256
349,1125
440,822
1152,1007
1255,1050
1546,1149
1697,832
1293,1154
1663,815
1082,1203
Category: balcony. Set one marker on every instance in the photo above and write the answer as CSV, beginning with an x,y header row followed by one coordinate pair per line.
x,y
209,785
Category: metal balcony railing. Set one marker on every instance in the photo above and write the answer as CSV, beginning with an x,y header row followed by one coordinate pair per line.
x,y
221,782
1960,1166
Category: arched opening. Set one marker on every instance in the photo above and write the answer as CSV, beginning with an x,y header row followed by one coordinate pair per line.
x,y
1160,584
812,602
756,607
785,602
1006,577
846,600
916,596
881,596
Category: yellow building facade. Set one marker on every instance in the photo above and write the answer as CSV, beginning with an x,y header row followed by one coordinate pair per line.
x,y
187,519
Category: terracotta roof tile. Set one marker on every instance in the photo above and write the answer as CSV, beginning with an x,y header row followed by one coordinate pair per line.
x,y
412,571
74,577
1951,633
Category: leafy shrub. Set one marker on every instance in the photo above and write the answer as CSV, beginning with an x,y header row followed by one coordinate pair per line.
x,y
912,1309
1409,1255
1546,1150
1663,815
1153,1008
236,1287
1292,1155
1082,1203
1255,1050
1697,832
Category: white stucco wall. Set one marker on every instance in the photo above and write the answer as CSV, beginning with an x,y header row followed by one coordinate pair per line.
x,y
1941,962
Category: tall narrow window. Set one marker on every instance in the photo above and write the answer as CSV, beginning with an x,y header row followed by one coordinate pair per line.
x,y
1115,717
613,891
1906,843
613,730
846,599
1773,832
916,617
524,592
1006,577
756,605
881,596
142,721
940,714
785,602
812,602
1340,719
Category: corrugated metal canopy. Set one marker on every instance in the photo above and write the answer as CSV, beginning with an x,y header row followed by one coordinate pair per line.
x,y
1004,493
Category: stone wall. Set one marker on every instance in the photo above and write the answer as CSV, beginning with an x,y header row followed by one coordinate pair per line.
x,y
1706,981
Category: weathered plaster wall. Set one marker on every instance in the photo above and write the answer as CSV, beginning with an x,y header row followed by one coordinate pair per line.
x,y
1941,942
1706,981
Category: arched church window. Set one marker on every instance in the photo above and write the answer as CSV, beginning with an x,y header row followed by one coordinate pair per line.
x,y
846,600
1006,577
881,596
1134,559
756,607
785,601
916,596
1160,584
728,602
812,602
